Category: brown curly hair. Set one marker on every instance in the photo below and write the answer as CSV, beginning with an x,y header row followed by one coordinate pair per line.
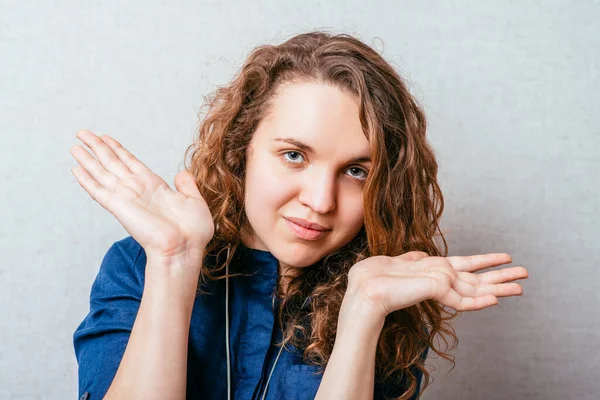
x,y
403,202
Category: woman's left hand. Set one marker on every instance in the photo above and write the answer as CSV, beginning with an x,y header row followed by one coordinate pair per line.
x,y
385,284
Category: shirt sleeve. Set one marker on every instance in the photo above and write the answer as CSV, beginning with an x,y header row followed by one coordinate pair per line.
x,y
385,391
101,338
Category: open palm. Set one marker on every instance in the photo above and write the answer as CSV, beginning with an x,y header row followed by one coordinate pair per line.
x,y
394,283
164,222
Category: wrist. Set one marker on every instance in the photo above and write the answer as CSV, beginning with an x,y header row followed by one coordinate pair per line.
x,y
173,276
186,260
186,252
359,317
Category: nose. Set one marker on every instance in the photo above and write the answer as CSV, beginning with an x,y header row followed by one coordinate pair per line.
x,y
319,192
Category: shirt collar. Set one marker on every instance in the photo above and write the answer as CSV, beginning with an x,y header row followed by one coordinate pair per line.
x,y
256,261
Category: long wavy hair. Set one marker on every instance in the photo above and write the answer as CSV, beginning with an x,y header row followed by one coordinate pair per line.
x,y
403,202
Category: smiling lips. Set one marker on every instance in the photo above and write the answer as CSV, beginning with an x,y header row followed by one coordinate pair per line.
x,y
305,229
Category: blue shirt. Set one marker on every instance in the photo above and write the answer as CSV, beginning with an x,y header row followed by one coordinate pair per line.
x,y
100,339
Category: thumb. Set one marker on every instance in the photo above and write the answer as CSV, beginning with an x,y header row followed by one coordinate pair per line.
x,y
414,255
186,184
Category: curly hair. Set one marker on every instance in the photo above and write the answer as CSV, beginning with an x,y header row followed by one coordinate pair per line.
x,y
402,200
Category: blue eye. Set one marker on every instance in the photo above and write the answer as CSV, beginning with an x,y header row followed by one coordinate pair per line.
x,y
294,156
358,171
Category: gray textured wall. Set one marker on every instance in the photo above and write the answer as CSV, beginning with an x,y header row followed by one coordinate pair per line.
x,y
511,90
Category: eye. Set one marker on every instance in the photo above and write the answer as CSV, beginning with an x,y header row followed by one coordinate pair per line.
x,y
293,157
357,173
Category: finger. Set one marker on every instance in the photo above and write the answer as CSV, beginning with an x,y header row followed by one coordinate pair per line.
x,y
501,275
104,154
465,288
414,255
468,303
499,290
185,184
478,262
96,171
477,303
94,189
131,161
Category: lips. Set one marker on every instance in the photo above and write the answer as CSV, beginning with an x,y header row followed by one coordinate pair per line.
x,y
307,224
304,233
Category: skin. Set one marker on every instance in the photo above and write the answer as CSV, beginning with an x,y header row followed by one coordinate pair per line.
x,y
322,185
174,226
380,285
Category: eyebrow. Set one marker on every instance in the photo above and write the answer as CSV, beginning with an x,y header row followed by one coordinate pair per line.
x,y
308,149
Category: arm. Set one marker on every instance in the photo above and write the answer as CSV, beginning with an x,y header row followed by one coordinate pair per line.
x,y
141,336
121,310
379,285
350,372
154,365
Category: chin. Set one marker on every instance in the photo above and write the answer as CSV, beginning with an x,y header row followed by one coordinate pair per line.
x,y
297,254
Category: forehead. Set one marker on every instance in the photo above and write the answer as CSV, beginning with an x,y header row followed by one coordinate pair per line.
x,y
320,115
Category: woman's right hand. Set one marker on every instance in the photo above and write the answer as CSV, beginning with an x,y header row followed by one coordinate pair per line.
x,y
164,222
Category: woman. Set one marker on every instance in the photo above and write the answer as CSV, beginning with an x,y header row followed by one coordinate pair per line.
x,y
306,216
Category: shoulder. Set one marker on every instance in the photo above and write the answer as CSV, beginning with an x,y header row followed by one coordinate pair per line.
x,y
125,260
129,246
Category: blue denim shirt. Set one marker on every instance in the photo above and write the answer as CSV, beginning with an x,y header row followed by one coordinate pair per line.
x,y
100,339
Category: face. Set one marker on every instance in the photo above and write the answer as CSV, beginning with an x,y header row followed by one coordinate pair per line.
x,y
306,163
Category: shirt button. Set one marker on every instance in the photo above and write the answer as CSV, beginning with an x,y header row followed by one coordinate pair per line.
x,y
85,396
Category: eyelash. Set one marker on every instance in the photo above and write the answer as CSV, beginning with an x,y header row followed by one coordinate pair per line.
x,y
297,152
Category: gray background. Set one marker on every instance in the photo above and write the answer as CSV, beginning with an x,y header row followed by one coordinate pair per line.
x,y
511,90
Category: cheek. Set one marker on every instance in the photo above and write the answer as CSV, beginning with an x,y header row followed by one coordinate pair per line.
x,y
353,213
267,189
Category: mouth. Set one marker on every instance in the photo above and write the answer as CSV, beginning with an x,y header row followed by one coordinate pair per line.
x,y
304,229
307,224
